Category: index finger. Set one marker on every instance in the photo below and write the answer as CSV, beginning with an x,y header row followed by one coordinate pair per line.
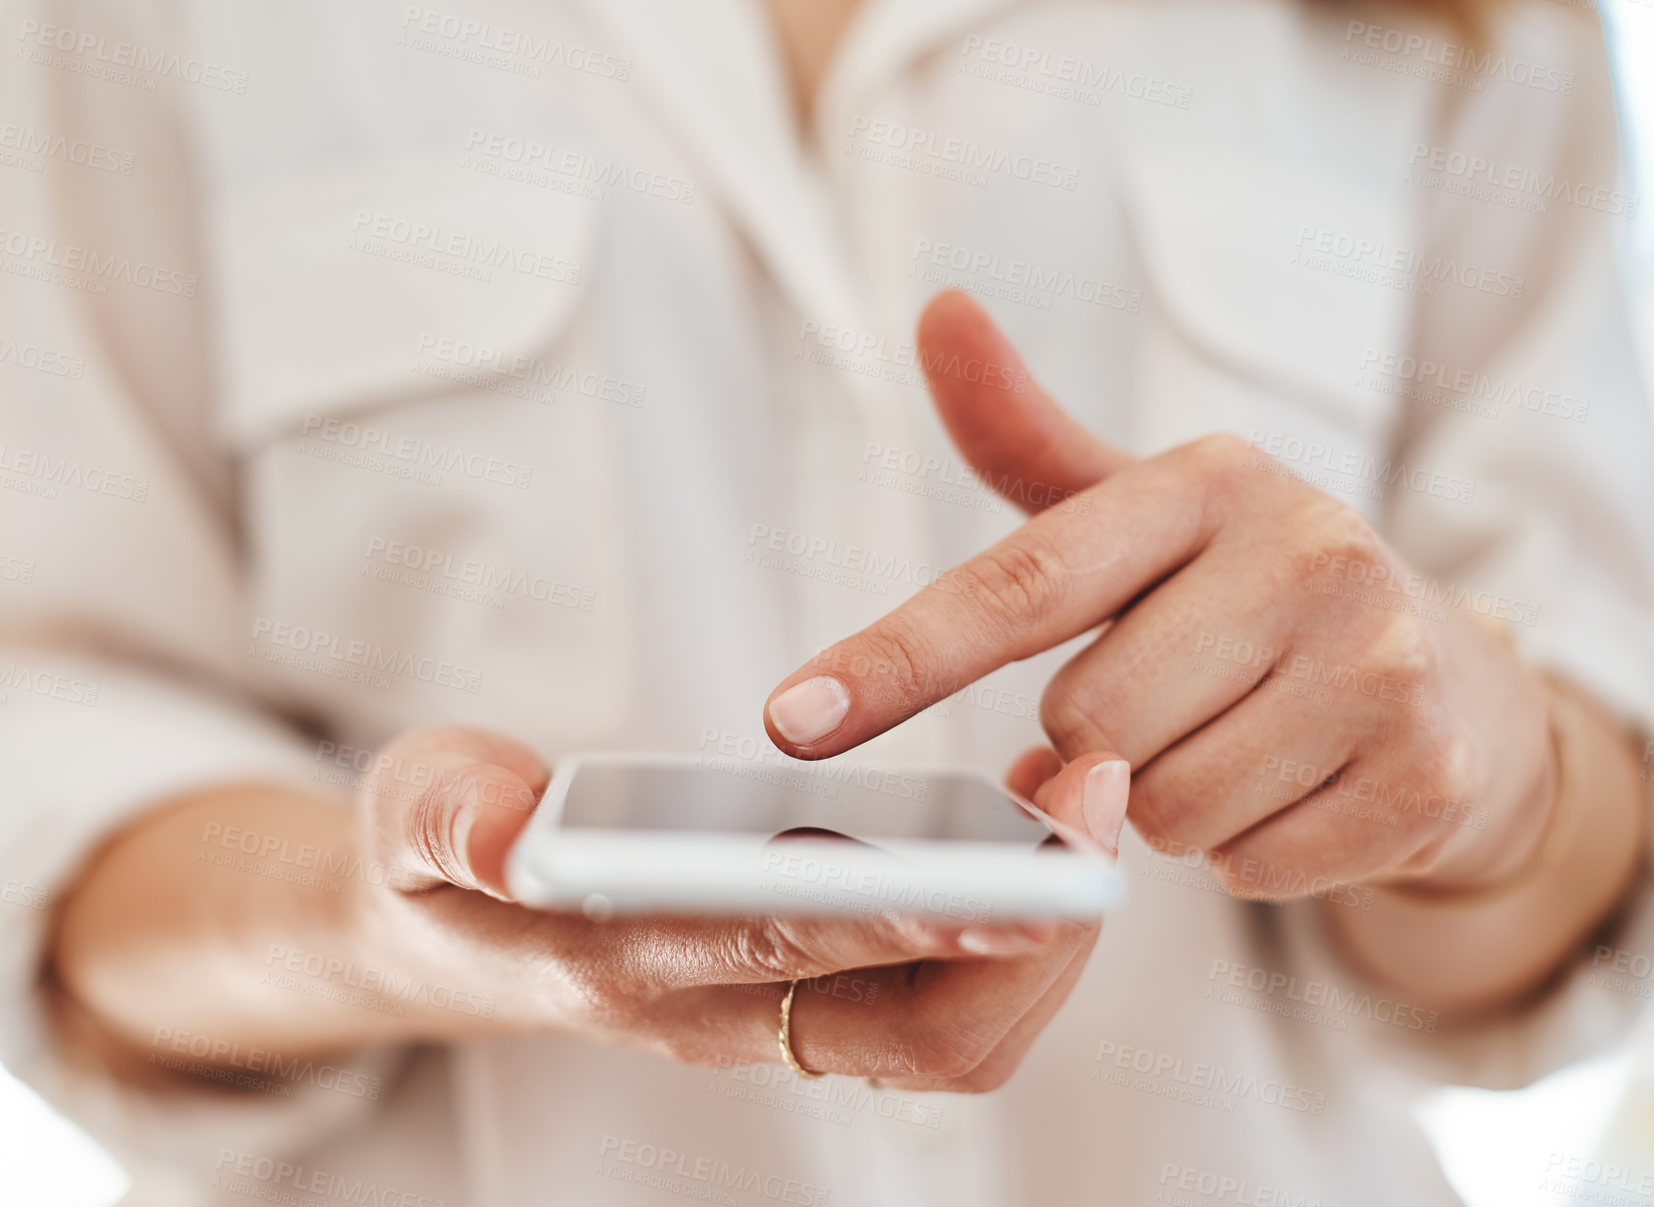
x,y
1063,572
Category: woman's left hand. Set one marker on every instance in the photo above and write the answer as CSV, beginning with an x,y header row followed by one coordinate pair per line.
x,y
1286,701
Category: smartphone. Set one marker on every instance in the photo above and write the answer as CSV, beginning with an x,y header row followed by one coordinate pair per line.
x,y
631,833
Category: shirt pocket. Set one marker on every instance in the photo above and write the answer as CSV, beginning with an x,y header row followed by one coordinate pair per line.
x,y
428,488
1274,283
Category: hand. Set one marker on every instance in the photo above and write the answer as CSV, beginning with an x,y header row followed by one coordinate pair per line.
x,y
1255,696
921,1004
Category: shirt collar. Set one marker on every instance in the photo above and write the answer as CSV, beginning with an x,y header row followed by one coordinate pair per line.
x,y
712,72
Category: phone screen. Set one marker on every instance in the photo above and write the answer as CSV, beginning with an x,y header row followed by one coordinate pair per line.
x,y
857,802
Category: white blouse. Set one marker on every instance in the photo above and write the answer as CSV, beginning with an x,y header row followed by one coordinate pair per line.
x,y
518,363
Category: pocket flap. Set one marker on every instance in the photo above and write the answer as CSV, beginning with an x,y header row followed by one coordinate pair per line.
x,y
329,282
1274,267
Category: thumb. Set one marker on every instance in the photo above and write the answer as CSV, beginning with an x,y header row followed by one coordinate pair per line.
x,y
444,806
1020,442
1090,794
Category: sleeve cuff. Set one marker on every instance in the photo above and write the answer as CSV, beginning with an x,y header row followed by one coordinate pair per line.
x,y
85,745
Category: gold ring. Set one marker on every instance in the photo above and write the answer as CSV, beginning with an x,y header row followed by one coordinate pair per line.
x,y
785,1036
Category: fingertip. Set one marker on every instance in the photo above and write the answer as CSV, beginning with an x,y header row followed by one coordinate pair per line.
x,y
1031,769
955,320
952,313
807,713
487,820
1091,794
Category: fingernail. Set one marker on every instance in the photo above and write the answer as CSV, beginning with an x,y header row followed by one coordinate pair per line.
x,y
1103,801
993,941
807,712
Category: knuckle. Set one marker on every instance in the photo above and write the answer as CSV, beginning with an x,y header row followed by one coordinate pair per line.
x,y
1398,659
775,949
592,992
941,1049
1330,538
1067,719
1158,829
987,1077
1403,650
1220,449
691,1048
1014,582
1249,876
1150,826
898,656
1450,765
1219,456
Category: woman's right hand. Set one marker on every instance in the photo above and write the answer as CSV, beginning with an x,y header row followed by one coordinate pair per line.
x,y
919,1003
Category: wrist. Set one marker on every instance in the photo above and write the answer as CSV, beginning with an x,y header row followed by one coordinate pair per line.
x,y
1514,747
1538,825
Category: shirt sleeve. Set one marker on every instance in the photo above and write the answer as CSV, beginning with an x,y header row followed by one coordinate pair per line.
x,y
1524,386
121,677
1522,389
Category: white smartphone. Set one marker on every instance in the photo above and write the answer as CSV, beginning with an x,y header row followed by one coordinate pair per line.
x,y
630,833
